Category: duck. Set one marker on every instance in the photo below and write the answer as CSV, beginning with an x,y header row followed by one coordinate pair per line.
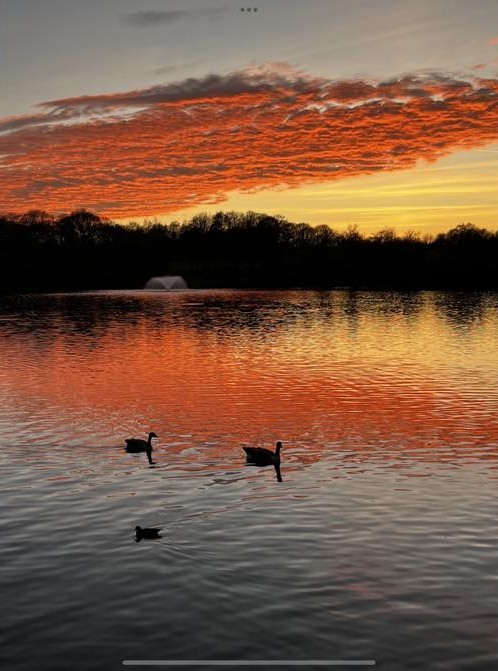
x,y
140,445
144,532
263,457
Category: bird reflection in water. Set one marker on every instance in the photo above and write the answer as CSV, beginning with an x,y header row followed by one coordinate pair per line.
x,y
260,456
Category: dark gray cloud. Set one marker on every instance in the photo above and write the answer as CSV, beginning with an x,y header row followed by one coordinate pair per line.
x,y
264,85
150,18
190,89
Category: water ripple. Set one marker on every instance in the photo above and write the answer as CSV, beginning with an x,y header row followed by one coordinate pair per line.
x,y
379,543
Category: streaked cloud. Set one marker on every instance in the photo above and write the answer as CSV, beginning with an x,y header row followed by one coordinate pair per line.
x,y
178,145
170,69
151,18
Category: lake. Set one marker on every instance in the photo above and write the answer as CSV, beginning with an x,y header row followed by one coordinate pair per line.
x,y
379,544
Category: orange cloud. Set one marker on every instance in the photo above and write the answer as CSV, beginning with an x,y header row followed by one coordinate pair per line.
x,y
493,41
171,147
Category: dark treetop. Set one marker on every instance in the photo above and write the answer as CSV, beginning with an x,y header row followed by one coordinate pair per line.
x,y
40,252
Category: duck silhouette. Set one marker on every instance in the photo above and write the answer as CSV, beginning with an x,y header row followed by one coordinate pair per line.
x,y
263,457
147,532
139,445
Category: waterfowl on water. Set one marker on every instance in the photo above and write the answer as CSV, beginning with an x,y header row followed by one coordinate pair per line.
x,y
140,445
144,532
263,457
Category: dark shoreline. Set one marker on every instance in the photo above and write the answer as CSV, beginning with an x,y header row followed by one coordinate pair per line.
x,y
83,252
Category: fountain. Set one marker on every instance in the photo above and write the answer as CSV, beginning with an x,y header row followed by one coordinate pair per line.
x,y
166,283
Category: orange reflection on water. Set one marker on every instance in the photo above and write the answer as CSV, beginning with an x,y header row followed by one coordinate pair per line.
x,y
302,383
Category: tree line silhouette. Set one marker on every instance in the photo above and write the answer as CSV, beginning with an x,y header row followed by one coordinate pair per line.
x,y
80,250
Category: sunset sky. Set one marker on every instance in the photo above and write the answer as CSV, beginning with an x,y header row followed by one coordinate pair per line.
x,y
381,113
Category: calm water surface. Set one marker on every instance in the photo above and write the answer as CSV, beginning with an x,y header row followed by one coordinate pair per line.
x,y
379,544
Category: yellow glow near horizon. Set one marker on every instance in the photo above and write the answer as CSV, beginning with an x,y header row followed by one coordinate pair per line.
x,y
431,198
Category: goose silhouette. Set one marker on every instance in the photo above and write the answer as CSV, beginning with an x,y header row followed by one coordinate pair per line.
x,y
263,457
140,445
147,532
